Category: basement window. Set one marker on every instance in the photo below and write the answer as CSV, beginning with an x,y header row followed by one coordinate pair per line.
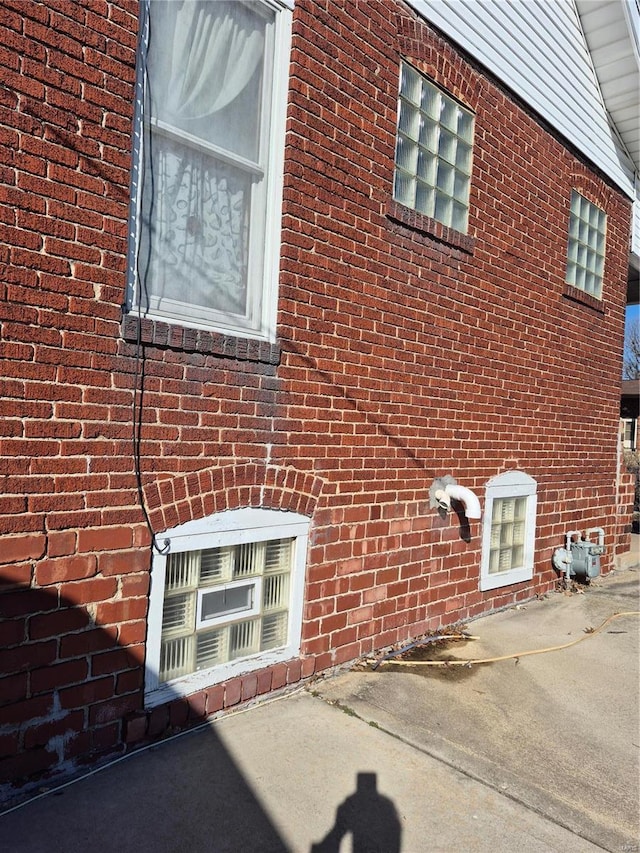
x,y
226,599
508,535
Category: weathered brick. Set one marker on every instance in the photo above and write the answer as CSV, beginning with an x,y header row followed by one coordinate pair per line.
x,y
12,632
88,591
232,692
278,676
18,548
104,539
27,656
178,713
86,694
58,675
13,688
114,709
61,543
41,734
9,744
406,352
61,569
123,562
58,623
115,612
105,739
215,698
15,575
130,681
28,709
118,660
135,728
26,764
249,687
131,633
88,641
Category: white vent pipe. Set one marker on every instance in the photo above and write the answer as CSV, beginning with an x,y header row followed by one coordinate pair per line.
x,y
443,500
600,533
569,538
465,496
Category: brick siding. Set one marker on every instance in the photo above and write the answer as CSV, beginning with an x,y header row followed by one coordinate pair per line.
x,y
404,353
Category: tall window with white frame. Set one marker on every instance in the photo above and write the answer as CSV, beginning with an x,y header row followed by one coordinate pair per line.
x,y
586,245
508,536
226,598
433,151
207,181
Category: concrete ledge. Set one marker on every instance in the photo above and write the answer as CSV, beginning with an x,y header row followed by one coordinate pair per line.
x,y
631,559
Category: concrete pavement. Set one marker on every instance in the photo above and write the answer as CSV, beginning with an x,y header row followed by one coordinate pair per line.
x,y
539,755
557,732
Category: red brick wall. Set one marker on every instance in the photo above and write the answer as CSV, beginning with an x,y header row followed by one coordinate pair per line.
x,y
404,353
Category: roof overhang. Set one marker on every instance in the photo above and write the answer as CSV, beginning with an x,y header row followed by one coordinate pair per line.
x,y
612,32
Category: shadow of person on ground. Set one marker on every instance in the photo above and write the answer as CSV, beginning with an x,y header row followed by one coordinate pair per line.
x,y
369,817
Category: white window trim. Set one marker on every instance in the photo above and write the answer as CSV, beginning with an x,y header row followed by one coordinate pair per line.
x,y
265,316
233,527
511,484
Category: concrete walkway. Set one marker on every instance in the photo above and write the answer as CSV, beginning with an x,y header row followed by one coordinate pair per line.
x,y
558,732
538,755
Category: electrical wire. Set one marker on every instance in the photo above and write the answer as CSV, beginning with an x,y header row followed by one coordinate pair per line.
x,y
142,281
514,655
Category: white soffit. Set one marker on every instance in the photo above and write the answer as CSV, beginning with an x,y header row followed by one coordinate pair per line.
x,y
537,48
612,31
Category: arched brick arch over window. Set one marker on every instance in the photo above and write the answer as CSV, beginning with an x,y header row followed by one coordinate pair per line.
x,y
177,500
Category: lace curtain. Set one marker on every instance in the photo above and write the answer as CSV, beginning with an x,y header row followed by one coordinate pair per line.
x,y
204,64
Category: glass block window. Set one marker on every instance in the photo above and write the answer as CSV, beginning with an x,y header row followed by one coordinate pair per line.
x,y
433,151
508,530
227,598
224,603
507,534
586,247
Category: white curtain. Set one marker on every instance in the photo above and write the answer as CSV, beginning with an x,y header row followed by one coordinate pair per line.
x,y
202,56
198,228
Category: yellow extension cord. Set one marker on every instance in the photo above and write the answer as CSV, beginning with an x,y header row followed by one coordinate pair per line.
x,y
472,661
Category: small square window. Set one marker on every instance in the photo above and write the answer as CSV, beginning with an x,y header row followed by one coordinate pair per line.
x,y
508,530
433,151
508,524
229,601
586,245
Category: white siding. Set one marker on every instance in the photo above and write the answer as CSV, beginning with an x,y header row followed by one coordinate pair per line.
x,y
635,226
537,48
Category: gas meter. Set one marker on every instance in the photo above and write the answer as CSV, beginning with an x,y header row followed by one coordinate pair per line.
x,y
580,558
